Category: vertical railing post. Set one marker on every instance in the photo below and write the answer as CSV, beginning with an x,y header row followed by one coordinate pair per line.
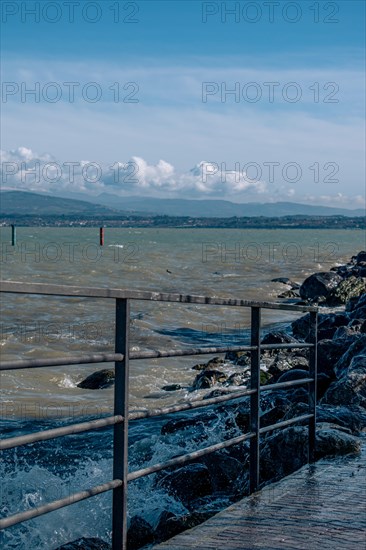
x,y
120,444
313,385
255,398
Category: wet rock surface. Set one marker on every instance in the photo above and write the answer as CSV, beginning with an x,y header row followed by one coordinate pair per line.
x,y
86,544
98,380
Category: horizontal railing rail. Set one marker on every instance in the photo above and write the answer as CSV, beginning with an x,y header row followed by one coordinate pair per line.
x,y
123,294
122,416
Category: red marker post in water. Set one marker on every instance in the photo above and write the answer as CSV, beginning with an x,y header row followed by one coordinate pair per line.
x,y
101,236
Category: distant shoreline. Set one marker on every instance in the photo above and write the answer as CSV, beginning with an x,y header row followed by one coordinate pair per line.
x,y
184,222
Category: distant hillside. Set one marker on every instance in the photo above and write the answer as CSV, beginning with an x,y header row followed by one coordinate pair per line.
x,y
220,208
33,204
23,203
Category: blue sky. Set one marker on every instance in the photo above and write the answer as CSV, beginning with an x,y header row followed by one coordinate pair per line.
x,y
298,107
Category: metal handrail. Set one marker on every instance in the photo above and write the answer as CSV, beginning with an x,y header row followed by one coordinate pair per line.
x,y
122,416
117,293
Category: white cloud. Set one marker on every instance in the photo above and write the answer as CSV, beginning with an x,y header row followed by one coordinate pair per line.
x,y
23,169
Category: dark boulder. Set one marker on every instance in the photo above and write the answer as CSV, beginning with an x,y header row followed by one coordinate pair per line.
x,y
241,358
86,544
98,380
238,379
286,361
319,286
170,525
139,533
358,325
224,471
212,363
278,337
287,450
275,413
329,323
293,374
301,326
352,418
356,302
187,483
345,290
172,387
354,347
208,378
348,333
361,257
358,313
329,352
350,388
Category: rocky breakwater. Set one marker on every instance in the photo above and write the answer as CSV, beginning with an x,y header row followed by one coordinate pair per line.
x,y
214,481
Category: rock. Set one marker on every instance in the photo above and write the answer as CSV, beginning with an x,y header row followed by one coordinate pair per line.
x,y
86,544
224,471
98,380
208,378
286,281
346,333
358,325
238,379
293,374
286,361
301,327
356,302
283,280
361,257
289,294
199,366
298,395
139,533
329,353
172,387
319,286
216,393
264,377
333,442
276,413
346,289
350,389
286,451
278,337
241,358
358,313
242,419
188,483
170,525
353,346
216,361
173,426
329,323
353,417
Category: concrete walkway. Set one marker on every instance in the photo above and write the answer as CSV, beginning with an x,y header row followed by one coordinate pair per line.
x,y
320,507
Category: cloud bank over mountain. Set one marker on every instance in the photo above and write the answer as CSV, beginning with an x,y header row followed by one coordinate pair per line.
x,y
24,169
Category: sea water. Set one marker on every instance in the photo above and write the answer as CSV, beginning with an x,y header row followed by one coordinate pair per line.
x,y
215,262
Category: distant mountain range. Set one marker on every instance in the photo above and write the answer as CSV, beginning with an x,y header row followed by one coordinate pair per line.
x,y
106,205
220,208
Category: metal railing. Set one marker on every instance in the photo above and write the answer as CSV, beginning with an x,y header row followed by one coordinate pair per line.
x,y
121,415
